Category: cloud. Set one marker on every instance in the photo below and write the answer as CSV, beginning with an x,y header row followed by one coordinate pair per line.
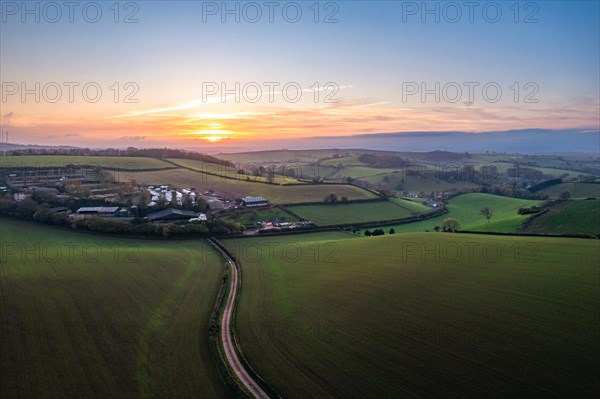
x,y
585,100
351,116
9,115
205,100
132,138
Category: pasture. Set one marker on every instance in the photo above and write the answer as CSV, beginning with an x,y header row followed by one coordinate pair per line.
x,y
466,208
515,317
61,161
577,190
95,317
230,172
334,214
259,215
284,156
551,172
572,217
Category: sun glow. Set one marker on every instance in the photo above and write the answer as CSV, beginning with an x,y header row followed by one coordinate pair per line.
x,y
211,135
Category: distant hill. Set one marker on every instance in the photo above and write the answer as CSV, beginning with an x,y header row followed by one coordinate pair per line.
x,y
531,141
15,147
525,141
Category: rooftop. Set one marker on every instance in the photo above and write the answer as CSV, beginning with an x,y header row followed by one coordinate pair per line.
x,y
254,199
98,209
170,212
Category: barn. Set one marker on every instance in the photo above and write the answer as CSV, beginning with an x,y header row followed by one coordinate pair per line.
x,y
250,201
99,210
171,214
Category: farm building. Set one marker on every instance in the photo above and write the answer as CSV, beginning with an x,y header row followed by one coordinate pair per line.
x,y
98,210
171,214
19,197
250,201
44,189
215,204
201,218
431,203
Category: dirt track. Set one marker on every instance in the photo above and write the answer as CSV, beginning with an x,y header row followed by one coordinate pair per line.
x,y
227,339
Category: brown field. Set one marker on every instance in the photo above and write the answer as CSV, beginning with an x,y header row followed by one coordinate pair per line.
x,y
239,188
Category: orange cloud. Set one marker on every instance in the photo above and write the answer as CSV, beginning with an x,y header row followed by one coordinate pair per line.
x,y
178,127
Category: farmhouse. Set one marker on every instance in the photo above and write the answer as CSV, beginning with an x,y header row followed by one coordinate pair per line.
x,y
253,201
171,214
104,211
431,203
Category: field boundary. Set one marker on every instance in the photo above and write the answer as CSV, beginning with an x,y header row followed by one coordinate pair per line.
x,y
343,227
338,202
493,233
223,176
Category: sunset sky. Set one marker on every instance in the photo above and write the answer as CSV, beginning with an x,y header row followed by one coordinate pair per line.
x,y
357,75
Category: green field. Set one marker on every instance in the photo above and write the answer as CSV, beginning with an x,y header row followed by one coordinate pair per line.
x,y
503,166
375,317
303,156
572,217
359,172
83,316
410,205
228,171
39,161
351,160
333,214
466,209
259,215
416,184
275,194
577,190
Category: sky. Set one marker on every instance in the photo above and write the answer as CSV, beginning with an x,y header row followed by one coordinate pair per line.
x,y
194,74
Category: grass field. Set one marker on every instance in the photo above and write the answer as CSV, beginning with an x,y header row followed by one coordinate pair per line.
x,y
228,171
129,163
577,190
106,318
351,160
410,205
572,217
503,166
323,317
238,188
270,214
359,172
278,156
426,184
466,207
324,215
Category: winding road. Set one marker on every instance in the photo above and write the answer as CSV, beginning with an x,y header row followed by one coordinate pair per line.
x,y
227,337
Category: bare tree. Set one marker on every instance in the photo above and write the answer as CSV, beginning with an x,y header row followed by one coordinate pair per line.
x,y
487,213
